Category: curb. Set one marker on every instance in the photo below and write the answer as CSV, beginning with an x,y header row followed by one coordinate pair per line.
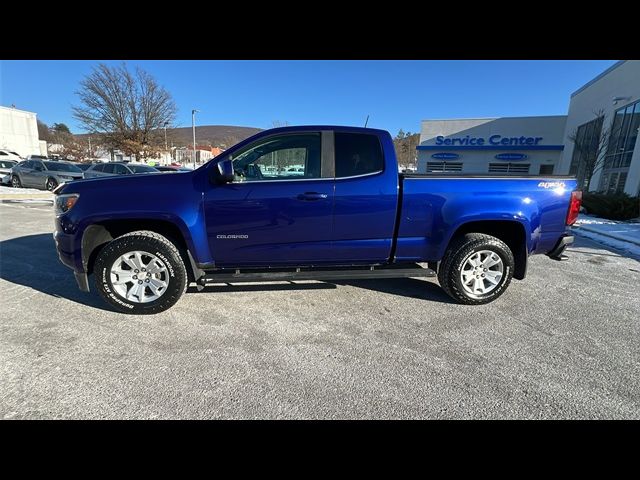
x,y
610,235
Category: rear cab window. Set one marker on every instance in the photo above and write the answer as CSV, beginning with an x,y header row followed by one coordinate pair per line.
x,y
357,154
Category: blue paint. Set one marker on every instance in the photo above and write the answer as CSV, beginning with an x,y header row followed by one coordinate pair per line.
x,y
489,147
445,156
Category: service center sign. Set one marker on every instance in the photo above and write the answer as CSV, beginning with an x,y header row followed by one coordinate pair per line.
x,y
492,140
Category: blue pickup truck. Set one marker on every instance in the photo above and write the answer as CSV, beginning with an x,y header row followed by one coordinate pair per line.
x,y
308,202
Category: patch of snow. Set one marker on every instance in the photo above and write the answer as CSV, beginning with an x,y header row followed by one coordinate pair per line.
x,y
617,230
22,191
630,249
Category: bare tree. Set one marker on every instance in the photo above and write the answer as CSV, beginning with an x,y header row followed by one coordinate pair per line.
x,y
128,110
590,147
76,149
44,133
405,145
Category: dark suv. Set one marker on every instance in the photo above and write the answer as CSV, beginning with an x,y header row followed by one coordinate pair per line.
x,y
43,174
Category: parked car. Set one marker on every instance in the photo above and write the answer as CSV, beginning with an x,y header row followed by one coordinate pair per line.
x,y
9,155
5,170
43,174
169,168
84,166
350,215
110,169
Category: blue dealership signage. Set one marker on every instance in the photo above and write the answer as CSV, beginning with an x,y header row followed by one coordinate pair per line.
x,y
492,140
511,156
445,156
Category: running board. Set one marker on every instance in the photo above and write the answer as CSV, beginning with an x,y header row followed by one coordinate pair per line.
x,y
361,274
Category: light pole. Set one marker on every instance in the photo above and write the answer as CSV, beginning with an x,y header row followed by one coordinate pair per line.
x,y
165,135
193,127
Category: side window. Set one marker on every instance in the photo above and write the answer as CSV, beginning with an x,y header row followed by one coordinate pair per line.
x,y
283,157
3,153
38,166
27,164
357,154
97,168
120,169
108,168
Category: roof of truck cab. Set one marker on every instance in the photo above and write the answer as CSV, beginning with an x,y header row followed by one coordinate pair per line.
x,y
302,128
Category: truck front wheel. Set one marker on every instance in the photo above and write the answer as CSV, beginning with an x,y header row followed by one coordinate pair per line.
x,y
140,273
476,269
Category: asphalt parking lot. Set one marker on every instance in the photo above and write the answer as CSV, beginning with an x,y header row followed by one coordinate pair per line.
x,y
564,343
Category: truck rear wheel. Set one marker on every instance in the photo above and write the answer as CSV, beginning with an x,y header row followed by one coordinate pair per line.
x,y
476,269
140,273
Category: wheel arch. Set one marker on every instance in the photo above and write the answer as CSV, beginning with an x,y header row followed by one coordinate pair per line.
x,y
511,232
99,234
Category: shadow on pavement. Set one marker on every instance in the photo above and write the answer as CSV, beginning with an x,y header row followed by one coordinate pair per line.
x,y
405,287
32,261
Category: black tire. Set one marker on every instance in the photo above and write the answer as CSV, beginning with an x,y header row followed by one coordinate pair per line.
x,y
145,241
449,274
50,184
15,181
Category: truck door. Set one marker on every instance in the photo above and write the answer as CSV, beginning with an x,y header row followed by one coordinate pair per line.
x,y
365,199
278,210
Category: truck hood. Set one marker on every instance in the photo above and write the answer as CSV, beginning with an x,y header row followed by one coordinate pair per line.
x,y
162,183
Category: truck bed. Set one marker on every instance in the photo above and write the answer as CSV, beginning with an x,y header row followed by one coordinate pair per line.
x,y
434,206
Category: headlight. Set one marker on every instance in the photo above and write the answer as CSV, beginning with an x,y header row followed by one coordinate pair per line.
x,y
64,203
62,177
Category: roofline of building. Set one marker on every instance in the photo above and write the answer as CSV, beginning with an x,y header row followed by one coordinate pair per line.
x,y
17,110
488,118
594,80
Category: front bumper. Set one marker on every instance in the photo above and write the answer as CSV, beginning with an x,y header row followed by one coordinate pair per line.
x,y
557,253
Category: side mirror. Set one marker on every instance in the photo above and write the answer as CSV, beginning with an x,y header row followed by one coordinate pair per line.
x,y
222,172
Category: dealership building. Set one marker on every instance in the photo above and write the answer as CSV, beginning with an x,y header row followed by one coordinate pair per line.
x,y
19,132
602,131
599,134
508,145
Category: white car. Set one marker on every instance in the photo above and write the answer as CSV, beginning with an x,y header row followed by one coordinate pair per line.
x,y
5,170
9,155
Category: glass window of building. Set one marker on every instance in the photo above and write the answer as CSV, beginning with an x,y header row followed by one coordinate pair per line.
x,y
620,144
587,150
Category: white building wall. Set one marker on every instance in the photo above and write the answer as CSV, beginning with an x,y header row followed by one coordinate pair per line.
x,y
621,80
19,132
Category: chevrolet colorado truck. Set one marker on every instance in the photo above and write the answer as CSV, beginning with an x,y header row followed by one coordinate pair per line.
x,y
308,202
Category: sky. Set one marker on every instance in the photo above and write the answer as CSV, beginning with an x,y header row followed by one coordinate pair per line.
x,y
395,94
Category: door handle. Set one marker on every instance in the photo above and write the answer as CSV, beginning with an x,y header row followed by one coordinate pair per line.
x,y
312,196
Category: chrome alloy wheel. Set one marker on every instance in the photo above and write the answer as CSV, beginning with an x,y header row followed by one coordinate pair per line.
x,y
481,272
140,277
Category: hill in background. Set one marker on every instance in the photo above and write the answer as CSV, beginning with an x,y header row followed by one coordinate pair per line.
x,y
215,135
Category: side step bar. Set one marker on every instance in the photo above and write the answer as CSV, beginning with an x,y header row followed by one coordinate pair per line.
x,y
298,274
